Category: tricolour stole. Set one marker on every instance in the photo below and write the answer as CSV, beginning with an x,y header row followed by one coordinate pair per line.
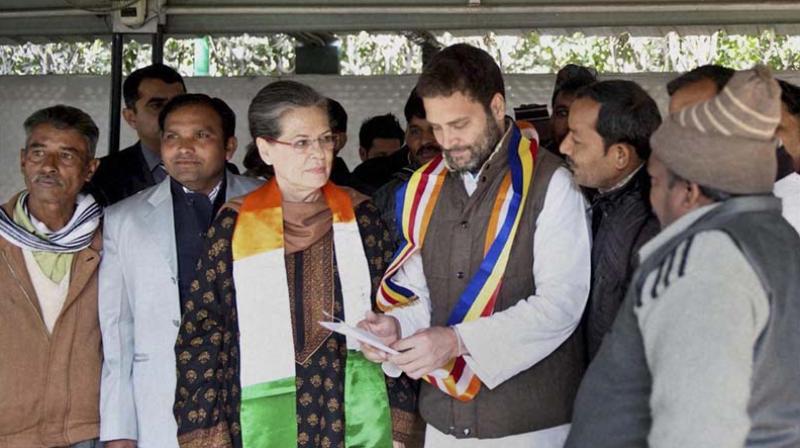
x,y
267,355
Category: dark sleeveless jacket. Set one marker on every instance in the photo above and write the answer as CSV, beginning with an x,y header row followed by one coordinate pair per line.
x,y
612,408
622,221
538,398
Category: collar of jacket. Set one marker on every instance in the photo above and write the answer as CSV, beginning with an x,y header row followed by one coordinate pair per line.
x,y
638,185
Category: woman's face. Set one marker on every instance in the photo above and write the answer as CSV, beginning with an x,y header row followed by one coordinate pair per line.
x,y
302,155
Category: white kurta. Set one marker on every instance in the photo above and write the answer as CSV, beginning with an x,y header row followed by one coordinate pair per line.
x,y
515,339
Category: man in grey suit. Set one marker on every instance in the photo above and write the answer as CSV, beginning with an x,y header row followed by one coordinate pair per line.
x,y
152,241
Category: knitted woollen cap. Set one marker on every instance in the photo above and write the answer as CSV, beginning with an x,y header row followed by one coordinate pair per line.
x,y
728,142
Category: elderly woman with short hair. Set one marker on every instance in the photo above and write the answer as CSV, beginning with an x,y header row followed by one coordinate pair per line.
x,y
255,367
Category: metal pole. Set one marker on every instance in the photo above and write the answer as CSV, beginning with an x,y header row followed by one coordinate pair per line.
x,y
116,92
158,46
201,56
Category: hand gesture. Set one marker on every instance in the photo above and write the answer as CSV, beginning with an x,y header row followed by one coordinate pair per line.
x,y
386,328
426,351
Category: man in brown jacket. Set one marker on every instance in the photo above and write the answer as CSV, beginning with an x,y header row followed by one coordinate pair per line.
x,y
501,363
49,254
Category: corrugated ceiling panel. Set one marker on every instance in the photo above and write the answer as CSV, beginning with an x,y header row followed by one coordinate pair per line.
x,y
269,16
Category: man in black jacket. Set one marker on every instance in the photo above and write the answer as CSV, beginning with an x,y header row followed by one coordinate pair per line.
x,y
607,148
139,166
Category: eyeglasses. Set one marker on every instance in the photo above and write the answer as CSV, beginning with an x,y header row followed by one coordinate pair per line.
x,y
304,145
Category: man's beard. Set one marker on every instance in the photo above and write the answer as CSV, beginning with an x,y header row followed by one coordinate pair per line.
x,y
479,151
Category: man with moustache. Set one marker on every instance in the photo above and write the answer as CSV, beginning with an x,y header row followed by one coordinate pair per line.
x,y
501,365
50,248
152,243
138,166
705,82
610,123
704,350
420,148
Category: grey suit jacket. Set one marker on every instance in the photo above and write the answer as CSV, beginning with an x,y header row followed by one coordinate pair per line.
x,y
139,308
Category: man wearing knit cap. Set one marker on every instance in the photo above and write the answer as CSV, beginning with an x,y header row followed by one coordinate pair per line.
x,y
704,350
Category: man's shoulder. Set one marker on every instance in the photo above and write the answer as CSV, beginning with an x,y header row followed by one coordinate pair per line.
x,y
118,175
561,186
241,185
707,257
132,205
546,157
384,196
122,159
545,167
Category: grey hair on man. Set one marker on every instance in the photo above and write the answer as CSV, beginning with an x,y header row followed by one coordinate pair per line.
x,y
65,117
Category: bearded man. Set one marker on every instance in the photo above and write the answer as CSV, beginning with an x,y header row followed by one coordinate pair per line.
x,y
488,287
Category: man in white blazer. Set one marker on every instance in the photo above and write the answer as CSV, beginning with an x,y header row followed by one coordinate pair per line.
x,y
151,243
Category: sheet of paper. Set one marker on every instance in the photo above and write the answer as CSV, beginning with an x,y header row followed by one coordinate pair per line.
x,y
359,334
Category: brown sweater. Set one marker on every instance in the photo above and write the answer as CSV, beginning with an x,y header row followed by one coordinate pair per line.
x,y
49,383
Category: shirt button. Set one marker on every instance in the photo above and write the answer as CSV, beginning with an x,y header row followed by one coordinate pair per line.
x,y
464,224
483,178
459,274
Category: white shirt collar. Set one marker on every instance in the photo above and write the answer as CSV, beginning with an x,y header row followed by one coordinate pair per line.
x,y
623,182
212,195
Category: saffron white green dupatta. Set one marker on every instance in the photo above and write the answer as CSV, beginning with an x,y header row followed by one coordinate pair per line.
x,y
267,355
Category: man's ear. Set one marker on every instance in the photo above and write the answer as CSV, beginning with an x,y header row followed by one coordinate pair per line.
x,y
130,117
230,147
624,155
92,168
694,196
362,153
498,107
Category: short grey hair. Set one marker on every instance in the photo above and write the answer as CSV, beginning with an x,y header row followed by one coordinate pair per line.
x,y
65,117
275,100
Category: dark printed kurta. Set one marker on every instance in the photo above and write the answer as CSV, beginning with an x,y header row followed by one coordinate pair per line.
x,y
208,391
